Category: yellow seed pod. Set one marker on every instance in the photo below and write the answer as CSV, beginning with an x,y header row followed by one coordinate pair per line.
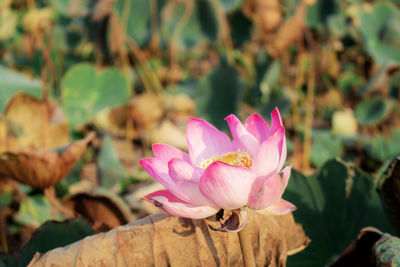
x,y
344,123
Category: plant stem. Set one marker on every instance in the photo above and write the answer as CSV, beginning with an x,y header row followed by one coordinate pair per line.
x,y
309,103
247,249
51,196
173,45
148,77
224,36
309,117
3,231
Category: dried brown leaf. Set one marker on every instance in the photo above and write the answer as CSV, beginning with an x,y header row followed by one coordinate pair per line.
x,y
102,209
359,252
30,122
288,33
169,133
41,168
146,110
164,240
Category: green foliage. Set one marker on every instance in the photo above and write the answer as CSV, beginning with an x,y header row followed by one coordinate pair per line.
x,y
319,13
34,211
219,93
75,8
324,148
12,82
185,23
85,91
137,15
49,236
111,170
270,79
200,27
231,5
383,148
220,53
5,199
380,30
372,111
241,27
333,205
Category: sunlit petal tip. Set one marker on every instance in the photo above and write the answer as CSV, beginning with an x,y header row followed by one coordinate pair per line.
x,y
281,207
267,190
276,119
257,122
257,126
165,200
145,162
245,141
166,152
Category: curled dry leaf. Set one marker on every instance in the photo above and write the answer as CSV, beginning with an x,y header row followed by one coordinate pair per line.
x,y
180,107
146,110
30,122
371,248
231,220
41,168
102,209
163,240
359,252
116,121
288,33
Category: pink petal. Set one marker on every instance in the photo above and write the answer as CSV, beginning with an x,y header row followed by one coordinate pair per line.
x,y
267,190
256,126
158,170
181,170
227,186
283,153
281,207
276,120
205,141
174,206
165,152
268,157
245,141
187,191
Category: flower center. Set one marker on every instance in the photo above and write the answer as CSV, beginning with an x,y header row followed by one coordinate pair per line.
x,y
238,158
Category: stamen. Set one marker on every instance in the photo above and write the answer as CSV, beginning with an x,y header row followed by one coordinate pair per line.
x,y
239,158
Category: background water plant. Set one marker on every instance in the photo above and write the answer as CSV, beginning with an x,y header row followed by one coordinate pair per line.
x,y
135,71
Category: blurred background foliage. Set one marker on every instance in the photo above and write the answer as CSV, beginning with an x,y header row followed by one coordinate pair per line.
x,y
134,71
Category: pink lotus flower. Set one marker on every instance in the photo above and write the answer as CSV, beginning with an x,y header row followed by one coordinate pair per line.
x,y
218,173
